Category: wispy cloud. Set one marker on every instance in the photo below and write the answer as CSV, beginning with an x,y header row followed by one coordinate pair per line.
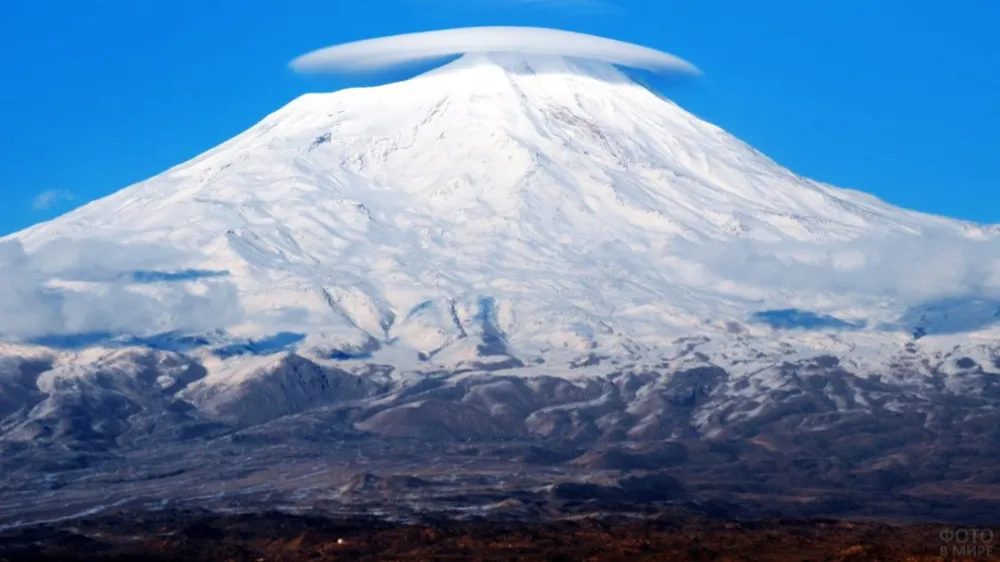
x,y
31,306
387,52
590,6
909,269
47,199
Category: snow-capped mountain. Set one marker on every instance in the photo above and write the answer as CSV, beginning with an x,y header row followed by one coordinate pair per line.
x,y
526,248
533,214
502,205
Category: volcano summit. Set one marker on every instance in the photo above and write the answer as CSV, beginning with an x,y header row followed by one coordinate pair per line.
x,y
551,203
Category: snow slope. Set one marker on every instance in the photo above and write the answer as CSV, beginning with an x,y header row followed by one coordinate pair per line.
x,y
503,208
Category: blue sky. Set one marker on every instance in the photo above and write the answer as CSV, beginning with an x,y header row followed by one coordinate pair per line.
x,y
900,98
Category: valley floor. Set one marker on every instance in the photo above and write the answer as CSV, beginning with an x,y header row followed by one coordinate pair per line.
x,y
667,536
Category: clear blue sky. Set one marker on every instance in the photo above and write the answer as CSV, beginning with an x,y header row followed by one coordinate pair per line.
x,y
900,98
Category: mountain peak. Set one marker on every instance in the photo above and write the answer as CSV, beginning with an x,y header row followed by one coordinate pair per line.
x,y
519,64
539,200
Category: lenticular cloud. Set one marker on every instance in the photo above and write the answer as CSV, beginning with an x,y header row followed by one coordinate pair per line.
x,y
387,52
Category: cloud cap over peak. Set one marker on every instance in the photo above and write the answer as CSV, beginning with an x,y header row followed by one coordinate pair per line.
x,y
388,52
